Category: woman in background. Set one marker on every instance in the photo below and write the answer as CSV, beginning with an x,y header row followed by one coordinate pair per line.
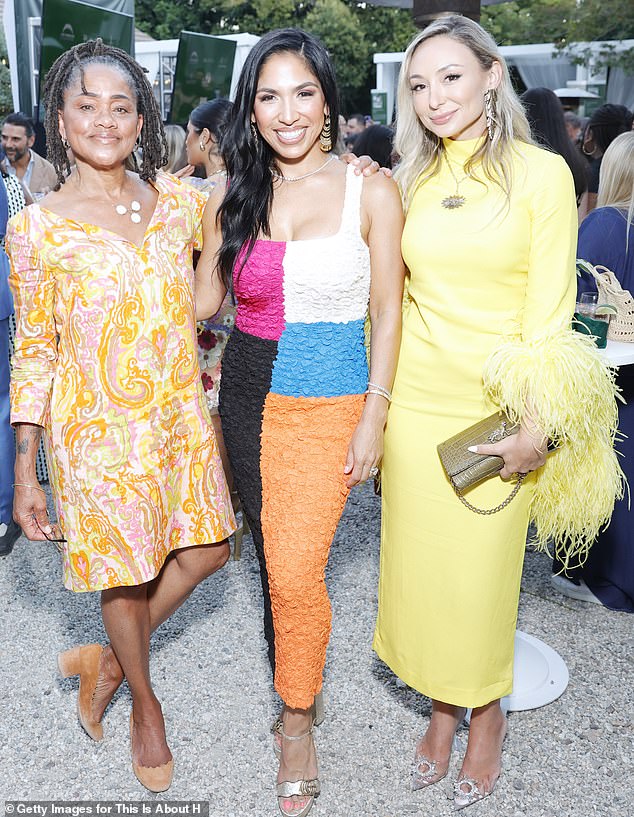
x,y
175,140
605,124
548,127
606,237
376,142
205,129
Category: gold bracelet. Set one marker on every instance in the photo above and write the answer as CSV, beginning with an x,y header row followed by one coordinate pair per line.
x,y
386,392
26,485
380,392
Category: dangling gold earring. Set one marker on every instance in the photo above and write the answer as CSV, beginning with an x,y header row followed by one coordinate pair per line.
x,y
489,107
255,132
325,137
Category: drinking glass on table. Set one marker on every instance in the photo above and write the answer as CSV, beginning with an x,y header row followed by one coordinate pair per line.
x,y
587,303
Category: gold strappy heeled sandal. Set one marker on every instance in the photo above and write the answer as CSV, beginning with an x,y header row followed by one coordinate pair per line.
x,y
317,712
297,788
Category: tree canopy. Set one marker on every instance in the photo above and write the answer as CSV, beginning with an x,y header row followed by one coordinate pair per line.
x,y
353,30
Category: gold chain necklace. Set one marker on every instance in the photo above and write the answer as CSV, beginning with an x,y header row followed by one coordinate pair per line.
x,y
456,200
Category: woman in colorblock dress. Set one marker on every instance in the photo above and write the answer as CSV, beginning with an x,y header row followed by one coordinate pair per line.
x,y
105,363
306,245
489,240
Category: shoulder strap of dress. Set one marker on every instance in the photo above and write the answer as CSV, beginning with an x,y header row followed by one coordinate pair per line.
x,y
351,216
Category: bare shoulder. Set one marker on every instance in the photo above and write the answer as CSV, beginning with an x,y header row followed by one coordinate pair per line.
x,y
380,192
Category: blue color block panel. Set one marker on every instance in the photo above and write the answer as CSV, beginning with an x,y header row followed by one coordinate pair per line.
x,y
320,360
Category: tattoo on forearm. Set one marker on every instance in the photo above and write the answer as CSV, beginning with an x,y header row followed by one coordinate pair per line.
x,y
22,445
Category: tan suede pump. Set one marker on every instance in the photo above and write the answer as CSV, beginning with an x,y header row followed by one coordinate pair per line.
x,y
154,778
84,661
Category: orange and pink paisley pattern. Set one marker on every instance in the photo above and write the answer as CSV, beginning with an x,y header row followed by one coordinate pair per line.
x,y
105,359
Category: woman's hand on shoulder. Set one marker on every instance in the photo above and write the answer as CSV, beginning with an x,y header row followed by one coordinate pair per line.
x,y
184,172
365,165
521,452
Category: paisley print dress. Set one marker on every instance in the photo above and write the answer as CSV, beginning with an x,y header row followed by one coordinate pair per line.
x,y
106,361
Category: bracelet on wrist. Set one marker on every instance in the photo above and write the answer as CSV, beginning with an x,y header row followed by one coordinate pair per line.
x,y
27,485
374,388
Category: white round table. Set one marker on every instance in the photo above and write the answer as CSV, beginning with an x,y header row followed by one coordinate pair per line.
x,y
618,353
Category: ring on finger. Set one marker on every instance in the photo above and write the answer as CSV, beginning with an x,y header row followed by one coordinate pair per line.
x,y
374,471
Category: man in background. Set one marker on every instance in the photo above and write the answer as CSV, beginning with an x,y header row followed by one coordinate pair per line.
x,y
36,174
356,124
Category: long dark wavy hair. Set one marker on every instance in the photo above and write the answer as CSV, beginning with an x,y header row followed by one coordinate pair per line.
x,y
245,211
70,66
548,126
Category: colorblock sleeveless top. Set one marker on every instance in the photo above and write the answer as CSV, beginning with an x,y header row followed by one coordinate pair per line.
x,y
311,297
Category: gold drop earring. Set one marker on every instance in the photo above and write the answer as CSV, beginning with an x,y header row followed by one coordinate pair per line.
x,y
325,137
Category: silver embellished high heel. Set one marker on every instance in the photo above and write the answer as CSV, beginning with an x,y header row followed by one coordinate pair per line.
x,y
297,788
463,797
425,770
468,790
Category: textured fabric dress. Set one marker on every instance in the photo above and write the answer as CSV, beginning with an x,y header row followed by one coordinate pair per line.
x,y
105,360
294,376
449,580
609,571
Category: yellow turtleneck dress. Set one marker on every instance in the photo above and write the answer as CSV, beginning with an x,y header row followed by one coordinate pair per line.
x,y
492,269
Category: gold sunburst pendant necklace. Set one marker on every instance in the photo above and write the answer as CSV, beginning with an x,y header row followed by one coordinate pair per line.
x,y
455,200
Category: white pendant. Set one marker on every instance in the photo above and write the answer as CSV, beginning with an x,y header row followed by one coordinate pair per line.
x,y
135,217
121,209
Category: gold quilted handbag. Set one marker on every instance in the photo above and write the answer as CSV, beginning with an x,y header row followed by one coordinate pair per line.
x,y
464,468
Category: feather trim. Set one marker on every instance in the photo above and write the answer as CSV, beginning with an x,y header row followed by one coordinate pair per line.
x,y
572,397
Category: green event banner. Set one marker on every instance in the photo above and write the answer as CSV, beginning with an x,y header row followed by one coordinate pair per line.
x,y
204,67
66,23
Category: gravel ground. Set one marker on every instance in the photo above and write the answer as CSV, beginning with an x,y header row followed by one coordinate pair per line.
x,y
573,757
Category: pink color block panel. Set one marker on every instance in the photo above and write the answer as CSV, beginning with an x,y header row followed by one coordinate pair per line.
x,y
259,290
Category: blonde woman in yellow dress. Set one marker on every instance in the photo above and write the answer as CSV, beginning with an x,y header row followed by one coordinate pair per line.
x,y
489,240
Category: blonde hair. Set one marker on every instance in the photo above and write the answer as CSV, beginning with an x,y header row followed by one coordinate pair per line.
x,y
421,151
176,158
616,179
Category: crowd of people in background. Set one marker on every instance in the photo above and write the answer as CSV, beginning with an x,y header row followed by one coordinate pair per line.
x,y
200,236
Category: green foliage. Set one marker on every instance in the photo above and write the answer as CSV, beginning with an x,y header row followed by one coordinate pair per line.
x,y
334,23
603,20
564,22
351,30
6,99
528,21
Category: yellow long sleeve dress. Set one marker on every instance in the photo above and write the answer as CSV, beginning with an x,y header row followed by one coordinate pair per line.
x,y
490,278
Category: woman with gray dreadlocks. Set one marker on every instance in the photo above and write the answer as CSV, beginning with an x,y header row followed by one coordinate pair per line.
x,y
105,363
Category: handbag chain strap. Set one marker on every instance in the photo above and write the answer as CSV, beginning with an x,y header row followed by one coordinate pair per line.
x,y
501,506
